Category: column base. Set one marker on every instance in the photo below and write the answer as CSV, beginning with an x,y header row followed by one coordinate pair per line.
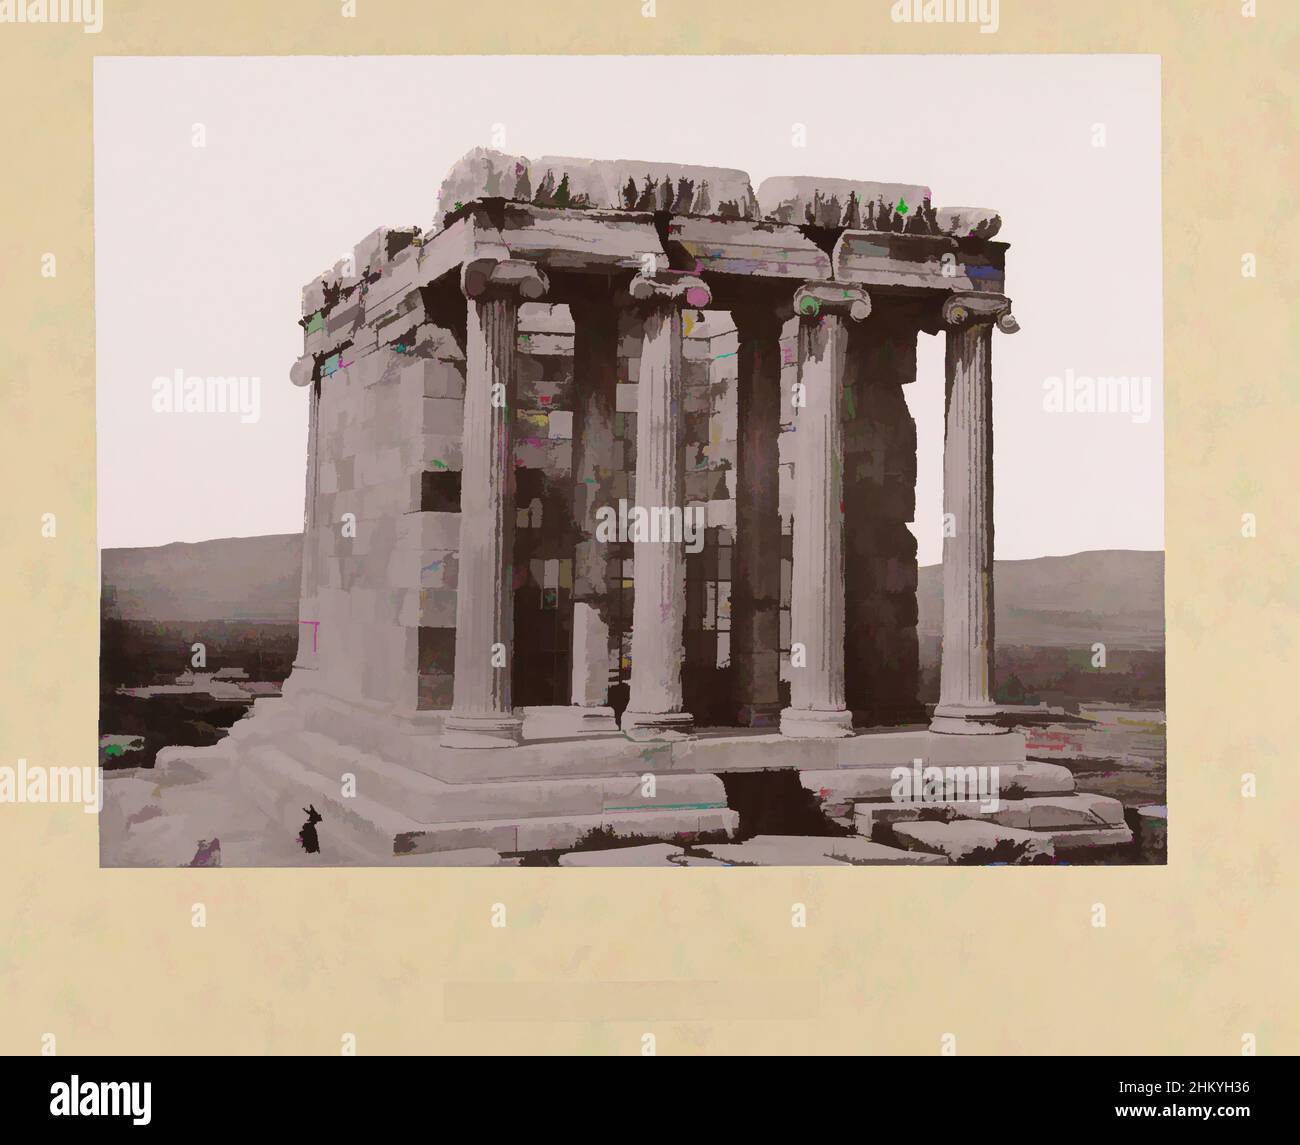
x,y
966,719
759,715
658,725
482,731
582,721
806,723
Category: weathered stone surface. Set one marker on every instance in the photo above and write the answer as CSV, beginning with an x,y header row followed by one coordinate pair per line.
x,y
1035,778
550,833
785,854
850,203
189,810
850,784
649,855
640,185
964,222
1060,813
575,183
483,173
864,853
759,248
1077,844
469,857
1079,810
813,851
927,262
965,840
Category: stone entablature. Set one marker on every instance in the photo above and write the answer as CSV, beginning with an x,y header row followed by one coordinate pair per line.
x,y
710,234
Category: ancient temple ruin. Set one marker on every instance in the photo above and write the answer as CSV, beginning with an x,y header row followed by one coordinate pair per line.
x,y
609,477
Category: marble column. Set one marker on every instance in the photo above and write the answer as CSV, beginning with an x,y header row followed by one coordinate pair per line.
x,y
481,714
756,576
817,701
966,667
595,378
655,705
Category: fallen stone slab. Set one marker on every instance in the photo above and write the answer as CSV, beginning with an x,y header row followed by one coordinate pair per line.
x,y
861,852
1051,813
749,855
1075,843
813,851
970,841
1016,780
1064,812
649,855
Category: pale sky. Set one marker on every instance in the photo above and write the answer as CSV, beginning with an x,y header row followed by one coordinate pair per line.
x,y
201,253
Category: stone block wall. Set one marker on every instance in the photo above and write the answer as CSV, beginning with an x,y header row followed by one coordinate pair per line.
x,y
380,570
881,650
710,368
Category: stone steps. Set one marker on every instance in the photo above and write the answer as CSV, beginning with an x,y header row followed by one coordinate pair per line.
x,y
429,801
364,829
553,833
269,719
161,816
356,830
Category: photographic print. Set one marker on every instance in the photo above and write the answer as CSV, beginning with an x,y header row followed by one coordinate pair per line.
x,y
630,461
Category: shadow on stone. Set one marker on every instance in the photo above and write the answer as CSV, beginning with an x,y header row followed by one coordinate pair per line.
x,y
776,803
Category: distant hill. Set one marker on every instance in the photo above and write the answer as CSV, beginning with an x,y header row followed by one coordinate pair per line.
x,y
1113,595
234,578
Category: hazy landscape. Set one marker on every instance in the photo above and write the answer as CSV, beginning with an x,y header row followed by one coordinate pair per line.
x,y
240,596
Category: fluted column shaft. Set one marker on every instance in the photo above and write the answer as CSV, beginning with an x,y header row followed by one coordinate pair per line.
x,y
481,714
817,707
966,668
655,706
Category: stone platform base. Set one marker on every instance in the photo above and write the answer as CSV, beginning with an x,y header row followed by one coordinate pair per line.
x,y
390,793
